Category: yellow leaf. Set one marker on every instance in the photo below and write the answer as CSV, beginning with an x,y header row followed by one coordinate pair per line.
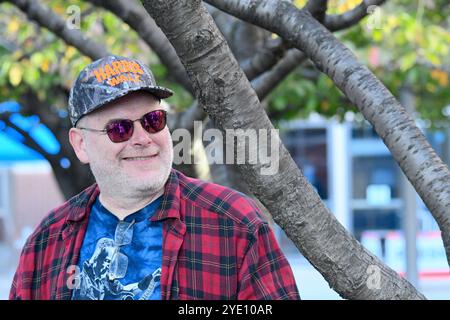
x,y
15,74
110,41
444,80
45,65
13,26
440,76
59,9
70,52
299,3
347,5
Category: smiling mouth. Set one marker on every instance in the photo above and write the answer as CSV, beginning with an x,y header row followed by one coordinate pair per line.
x,y
139,158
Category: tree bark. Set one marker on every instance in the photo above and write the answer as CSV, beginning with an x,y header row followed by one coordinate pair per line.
x,y
317,8
223,89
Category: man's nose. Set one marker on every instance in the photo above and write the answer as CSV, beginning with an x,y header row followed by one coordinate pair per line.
x,y
140,135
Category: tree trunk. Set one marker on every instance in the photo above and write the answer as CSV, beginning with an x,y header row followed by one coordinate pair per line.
x,y
230,101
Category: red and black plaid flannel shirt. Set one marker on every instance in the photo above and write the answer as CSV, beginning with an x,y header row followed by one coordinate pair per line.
x,y
216,245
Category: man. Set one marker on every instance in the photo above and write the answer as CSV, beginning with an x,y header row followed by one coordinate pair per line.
x,y
144,230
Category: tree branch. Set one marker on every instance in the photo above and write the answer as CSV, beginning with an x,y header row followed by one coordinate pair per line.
x,y
36,48
28,140
133,14
257,68
265,59
269,56
352,17
75,178
317,8
46,18
253,67
264,84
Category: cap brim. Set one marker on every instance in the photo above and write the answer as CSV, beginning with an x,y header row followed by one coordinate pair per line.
x,y
159,92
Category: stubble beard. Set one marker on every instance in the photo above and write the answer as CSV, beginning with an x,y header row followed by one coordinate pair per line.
x,y
115,183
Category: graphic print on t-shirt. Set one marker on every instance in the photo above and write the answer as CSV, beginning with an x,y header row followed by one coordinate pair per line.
x,y
99,277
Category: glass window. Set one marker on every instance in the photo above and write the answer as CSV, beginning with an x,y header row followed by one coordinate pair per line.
x,y
309,150
375,219
375,171
376,185
364,130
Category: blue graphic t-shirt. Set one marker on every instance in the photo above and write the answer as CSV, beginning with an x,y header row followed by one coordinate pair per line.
x,y
120,260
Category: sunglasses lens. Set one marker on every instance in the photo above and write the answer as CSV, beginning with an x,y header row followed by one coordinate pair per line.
x,y
154,121
119,131
122,130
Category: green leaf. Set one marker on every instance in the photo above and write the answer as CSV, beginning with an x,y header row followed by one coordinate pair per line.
x,y
408,61
110,22
433,58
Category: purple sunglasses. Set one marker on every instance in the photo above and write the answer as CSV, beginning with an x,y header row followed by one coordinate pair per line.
x,y
122,129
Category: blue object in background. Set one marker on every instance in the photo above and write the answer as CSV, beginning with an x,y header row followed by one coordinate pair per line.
x,y
11,146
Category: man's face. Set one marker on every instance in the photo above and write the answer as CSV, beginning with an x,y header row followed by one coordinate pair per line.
x,y
132,168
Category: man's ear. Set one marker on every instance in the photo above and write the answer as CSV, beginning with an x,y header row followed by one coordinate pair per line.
x,y
76,139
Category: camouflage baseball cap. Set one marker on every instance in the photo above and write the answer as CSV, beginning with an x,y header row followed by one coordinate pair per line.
x,y
108,79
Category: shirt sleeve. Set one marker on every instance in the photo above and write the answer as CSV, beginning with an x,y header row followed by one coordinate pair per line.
x,y
22,288
265,273
17,284
14,293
